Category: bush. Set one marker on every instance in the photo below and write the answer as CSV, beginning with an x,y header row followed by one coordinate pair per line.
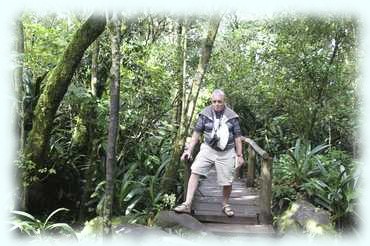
x,y
327,180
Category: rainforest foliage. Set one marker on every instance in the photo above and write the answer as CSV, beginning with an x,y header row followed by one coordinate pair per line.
x,y
291,78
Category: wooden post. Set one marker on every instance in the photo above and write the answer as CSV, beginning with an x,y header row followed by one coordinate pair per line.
x,y
251,166
266,186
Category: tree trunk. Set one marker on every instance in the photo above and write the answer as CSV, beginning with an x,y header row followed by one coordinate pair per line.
x,y
168,182
115,27
202,67
94,67
322,86
170,176
19,88
88,112
91,138
56,86
18,80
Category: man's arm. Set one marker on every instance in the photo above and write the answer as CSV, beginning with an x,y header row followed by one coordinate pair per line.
x,y
189,150
239,151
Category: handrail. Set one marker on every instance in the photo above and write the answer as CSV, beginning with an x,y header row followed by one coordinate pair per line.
x,y
266,177
256,148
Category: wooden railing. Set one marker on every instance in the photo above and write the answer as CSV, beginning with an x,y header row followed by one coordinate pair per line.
x,y
266,177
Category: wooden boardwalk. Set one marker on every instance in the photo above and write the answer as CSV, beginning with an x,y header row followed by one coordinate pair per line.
x,y
245,201
252,206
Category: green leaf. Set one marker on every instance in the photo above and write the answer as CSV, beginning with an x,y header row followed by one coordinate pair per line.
x,y
132,205
323,170
133,193
24,226
53,213
317,149
64,227
24,214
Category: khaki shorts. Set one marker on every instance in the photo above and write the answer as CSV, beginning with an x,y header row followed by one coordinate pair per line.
x,y
224,162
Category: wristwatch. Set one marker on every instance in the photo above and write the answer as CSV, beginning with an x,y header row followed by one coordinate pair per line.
x,y
241,155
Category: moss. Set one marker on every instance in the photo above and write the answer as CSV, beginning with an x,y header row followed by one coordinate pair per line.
x,y
287,224
94,227
56,86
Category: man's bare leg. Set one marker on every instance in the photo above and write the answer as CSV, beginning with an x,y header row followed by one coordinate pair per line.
x,y
192,187
226,194
225,206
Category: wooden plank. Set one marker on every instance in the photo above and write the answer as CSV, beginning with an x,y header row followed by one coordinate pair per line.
x,y
239,228
251,167
216,193
250,199
218,212
247,220
216,208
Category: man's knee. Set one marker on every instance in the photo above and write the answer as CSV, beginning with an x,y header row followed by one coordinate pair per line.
x,y
194,175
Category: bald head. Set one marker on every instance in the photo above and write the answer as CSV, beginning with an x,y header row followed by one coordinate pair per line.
x,y
218,92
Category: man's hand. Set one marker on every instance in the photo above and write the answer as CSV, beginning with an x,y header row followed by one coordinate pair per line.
x,y
186,155
239,162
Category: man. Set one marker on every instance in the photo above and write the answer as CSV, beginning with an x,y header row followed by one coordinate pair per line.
x,y
222,148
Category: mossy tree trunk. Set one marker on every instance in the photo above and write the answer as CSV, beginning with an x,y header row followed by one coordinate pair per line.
x,y
94,67
56,85
115,31
18,79
19,88
188,105
204,58
87,113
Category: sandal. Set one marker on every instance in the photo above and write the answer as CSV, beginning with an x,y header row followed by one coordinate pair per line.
x,y
182,208
228,210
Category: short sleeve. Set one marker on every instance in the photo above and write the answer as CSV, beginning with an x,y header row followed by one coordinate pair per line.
x,y
199,126
237,131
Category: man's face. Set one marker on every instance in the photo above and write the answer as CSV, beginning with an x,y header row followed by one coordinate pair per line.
x,y
218,102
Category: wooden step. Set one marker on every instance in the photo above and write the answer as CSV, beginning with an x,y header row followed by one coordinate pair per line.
x,y
239,229
242,200
241,216
211,216
216,208
215,191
